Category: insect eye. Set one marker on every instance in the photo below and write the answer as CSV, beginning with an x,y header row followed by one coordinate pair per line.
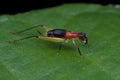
x,y
83,38
82,34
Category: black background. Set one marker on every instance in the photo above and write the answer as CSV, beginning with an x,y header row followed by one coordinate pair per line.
x,y
19,6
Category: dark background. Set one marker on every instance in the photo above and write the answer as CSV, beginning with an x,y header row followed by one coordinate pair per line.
x,y
19,6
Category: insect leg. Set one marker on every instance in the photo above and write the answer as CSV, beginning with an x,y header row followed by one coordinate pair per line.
x,y
39,33
52,39
46,28
16,40
75,44
26,29
43,26
60,46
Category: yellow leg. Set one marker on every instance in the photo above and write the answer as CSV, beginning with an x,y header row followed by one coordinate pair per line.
x,y
52,39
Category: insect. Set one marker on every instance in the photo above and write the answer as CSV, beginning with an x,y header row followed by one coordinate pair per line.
x,y
55,35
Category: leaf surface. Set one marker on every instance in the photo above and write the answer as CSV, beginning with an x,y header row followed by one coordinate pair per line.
x,y
35,59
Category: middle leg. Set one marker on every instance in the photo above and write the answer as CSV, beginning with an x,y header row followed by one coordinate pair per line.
x,y
75,44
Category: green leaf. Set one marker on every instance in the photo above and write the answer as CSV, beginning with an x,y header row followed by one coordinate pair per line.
x,y
35,59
